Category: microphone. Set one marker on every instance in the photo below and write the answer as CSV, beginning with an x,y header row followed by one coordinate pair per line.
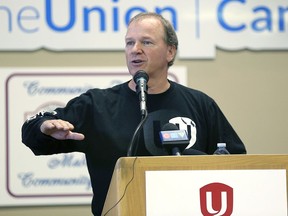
x,y
173,139
141,78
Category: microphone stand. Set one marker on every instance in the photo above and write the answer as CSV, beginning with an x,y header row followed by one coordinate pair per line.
x,y
133,144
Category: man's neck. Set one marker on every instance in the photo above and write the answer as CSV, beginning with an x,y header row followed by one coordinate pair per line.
x,y
154,86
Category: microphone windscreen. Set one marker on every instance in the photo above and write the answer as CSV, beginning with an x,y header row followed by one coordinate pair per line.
x,y
169,127
141,74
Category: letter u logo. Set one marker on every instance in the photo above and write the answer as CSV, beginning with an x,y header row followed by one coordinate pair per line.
x,y
216,199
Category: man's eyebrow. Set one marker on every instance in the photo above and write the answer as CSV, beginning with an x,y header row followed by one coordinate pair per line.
x,y
142,38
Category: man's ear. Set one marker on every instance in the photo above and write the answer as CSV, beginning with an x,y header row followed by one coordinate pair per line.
x,y
171,53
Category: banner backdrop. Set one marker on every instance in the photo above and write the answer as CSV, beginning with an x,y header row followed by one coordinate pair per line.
x,y
56,179
101,24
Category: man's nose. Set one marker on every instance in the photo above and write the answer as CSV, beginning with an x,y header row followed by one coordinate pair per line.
x,y
137,48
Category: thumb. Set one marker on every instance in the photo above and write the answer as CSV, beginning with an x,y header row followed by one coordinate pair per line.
x,y
75,136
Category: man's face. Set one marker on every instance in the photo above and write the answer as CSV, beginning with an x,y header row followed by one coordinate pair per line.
x,y
145,47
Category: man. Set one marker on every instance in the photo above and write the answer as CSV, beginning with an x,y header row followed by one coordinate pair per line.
x,y
101,122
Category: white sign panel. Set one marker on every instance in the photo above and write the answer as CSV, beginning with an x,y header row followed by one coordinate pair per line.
x,y
101,25
216,192
55,179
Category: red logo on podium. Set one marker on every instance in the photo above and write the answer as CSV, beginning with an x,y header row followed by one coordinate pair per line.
x,y
216,199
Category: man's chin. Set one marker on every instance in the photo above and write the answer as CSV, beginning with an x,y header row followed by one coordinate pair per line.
x,y
135,69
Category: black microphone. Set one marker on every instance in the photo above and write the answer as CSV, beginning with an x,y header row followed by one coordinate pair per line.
x,y
141,78
173,139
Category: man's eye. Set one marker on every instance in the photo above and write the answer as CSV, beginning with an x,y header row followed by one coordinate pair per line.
x,y
129,43
147,42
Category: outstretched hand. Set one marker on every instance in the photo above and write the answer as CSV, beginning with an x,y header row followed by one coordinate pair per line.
x,y
60,129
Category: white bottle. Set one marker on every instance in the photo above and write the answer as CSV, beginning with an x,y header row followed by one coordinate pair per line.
x,y
221,149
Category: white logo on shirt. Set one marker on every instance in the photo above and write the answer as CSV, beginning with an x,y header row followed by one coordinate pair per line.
x,y
187,124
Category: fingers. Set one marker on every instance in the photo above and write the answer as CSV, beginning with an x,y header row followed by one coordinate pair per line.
x,y
75,136
58,124
50,126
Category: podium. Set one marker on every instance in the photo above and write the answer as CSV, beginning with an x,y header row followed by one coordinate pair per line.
x,y
127,194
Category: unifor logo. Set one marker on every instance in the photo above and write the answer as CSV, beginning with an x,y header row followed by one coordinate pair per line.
x,y
216,199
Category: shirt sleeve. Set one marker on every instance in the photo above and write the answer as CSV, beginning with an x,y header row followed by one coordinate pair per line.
x,y
75,112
